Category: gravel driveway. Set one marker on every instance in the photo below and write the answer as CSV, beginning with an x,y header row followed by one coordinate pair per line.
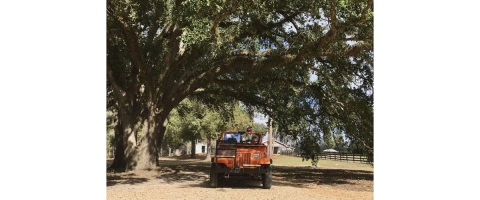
x,y
189,179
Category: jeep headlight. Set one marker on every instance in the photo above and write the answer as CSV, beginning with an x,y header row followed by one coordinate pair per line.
x,y
256,155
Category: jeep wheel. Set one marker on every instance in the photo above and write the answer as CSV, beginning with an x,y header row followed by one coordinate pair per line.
x,y
213,177
267,178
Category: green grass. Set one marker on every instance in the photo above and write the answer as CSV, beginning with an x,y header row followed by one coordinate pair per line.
x,y
332,164
283,160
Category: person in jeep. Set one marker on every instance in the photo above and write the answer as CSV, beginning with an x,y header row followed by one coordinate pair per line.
x,y
254,140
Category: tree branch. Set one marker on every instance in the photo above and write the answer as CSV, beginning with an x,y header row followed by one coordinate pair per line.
x,y
134,51
117,90
365,10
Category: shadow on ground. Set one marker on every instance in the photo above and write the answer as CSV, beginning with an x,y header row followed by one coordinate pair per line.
x,y
302,176
125,179
196,174
184,172
282,176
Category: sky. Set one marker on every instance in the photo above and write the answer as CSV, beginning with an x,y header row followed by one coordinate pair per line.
x,y
260,120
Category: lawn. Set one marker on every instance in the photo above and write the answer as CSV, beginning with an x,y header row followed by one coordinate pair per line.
x,y
283,160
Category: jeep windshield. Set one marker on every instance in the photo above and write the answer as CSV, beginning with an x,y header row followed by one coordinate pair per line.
x,y
242,137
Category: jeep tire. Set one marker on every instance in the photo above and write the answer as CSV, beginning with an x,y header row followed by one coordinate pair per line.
x,y
213,176
267,177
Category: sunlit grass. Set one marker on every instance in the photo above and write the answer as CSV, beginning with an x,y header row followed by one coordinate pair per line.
x,y
332,164
282,160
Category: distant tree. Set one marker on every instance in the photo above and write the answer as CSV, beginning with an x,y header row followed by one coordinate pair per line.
x,y
192,114
172,139
241,119
328,138
110,132
212,126
260,127
340,144
198,121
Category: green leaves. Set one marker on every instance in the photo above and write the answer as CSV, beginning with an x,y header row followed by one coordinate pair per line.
x,y
195,120
261,53
309,145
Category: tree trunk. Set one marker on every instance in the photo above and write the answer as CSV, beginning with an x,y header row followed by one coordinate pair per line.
x,y
162,122
193,148
148,154
152,139
209,147
130,144
125,143
128,155
119,162
370,157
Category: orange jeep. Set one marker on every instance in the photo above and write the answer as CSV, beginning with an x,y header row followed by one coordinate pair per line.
x,y
243,154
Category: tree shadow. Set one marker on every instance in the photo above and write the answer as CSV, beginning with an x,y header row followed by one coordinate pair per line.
x,y
198,175
304,176
198,157
184,172
118,179
282,176
234,182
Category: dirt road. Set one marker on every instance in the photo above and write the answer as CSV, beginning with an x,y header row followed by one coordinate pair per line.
x,y
188,179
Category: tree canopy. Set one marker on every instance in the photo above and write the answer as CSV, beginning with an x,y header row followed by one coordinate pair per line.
x,y
259,52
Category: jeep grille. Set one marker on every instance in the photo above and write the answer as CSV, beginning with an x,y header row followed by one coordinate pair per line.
x,y
244,159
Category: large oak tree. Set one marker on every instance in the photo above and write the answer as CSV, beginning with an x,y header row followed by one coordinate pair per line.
x,y
259,52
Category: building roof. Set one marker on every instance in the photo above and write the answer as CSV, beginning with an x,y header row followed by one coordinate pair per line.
x,y
330,150
276,142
